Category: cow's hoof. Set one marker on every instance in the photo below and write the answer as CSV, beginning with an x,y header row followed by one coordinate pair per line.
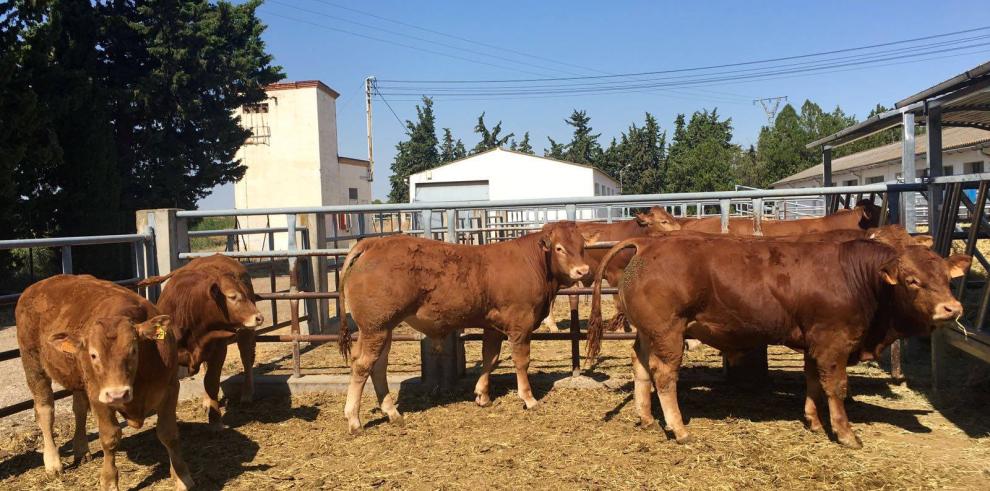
x,y
356,430
483,400
397,420
851,442
184,483
80,459
815,428
532,405
684,440
649,426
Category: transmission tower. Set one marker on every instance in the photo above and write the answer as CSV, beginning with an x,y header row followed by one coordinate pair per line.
x,y
770,106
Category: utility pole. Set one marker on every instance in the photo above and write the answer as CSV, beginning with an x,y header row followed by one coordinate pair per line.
x,y
770,106
368,85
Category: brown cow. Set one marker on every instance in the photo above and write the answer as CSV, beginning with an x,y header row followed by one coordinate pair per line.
x,y
655,221
437,288
865,215
109,346
831,300
211,299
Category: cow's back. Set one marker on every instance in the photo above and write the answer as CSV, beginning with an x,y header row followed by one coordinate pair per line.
x,y
220,264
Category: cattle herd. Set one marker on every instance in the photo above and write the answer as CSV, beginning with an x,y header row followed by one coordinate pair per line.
x,y
839,288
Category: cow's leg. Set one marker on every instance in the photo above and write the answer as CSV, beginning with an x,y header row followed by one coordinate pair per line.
x,y
168,433
246,346
211,383
550,324
814,395
369,347
80,445
643,382
44,411
836,386
665,361
491,348
520,357
109,440
379,378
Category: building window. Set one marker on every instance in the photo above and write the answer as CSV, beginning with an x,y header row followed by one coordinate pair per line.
x,y
256,108
874,180
850,182
255,118
974,167
947,170
598,189
899,177
352,193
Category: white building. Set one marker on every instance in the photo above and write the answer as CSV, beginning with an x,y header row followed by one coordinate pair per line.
x,y
292,158
500,174
965,151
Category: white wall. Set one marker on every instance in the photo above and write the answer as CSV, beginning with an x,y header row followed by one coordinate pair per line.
x,y
516,176
959,161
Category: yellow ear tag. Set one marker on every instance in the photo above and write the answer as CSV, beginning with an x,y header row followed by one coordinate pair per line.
x,y
160,331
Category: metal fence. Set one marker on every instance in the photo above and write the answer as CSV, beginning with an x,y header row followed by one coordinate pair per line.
x,y
315,245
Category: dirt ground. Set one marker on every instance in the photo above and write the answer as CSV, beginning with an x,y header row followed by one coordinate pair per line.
x,y
578,438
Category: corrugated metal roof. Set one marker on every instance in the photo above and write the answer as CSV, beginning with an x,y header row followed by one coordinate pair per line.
x,y
952,139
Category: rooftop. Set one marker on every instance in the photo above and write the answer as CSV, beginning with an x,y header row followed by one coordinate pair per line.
x,y
302,84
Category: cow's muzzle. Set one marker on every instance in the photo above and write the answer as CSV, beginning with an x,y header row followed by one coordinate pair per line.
x,y
948,310
580,272
254,321
116,395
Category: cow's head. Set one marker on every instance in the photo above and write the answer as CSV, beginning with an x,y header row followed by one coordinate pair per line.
x,y
920,281
236,301
658,220
108,352
897,237
869,214
564,245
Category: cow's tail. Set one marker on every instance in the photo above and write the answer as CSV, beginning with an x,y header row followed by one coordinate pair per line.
x,y
345,338
595,324
154,280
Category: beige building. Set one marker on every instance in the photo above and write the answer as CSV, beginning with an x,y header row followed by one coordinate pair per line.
x,y
965,151
292,159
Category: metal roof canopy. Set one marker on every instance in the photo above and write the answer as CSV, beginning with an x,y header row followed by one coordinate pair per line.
x,y
964,100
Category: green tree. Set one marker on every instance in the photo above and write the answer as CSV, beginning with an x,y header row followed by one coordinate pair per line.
x,y
417,153
451,150
637,159
584,147
782,146
556,150
701,154
489,138
524,146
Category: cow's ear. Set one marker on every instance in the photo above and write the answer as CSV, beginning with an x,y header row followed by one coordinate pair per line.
x,y
888,272
590,237
925,241
155,328
958,264
545,243
65,342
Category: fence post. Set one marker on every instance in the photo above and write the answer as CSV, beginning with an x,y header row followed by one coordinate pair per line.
x,y
290,221
723,205
757,216
170,237
319,228
441,369
66,259
427,224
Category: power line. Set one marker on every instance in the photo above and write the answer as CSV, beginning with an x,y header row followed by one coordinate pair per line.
x,y
374,85
459,38
709,67
417,38
395,43
702,81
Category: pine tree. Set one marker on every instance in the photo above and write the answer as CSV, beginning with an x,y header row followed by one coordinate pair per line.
x,y
701,154
638,157
416,154
449,149
524,145
556,150
584,147
489,139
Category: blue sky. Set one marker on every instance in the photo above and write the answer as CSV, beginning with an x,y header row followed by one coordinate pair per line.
x,y
609,37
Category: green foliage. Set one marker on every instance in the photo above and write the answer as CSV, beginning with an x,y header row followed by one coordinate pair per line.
x,y
451,150
638,158
489,139
523,146
701,154
107,107
584,147
416,154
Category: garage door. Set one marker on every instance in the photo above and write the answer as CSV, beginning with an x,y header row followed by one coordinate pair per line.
x,y
452,191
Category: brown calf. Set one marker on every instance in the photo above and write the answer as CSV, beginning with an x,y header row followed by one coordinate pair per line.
x,y
865,215
114,352
437,288
211,299
831,300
